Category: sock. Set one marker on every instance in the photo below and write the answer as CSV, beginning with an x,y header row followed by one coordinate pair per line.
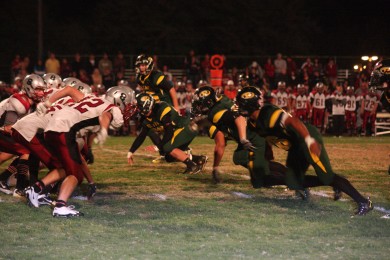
x,y
345,186
21,177
38,186
9,171
33,163
60,203
189,163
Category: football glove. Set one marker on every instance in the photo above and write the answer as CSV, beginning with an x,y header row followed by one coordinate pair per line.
x,y
247,145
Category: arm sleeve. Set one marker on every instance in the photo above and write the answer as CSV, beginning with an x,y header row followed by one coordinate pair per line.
x,y
139,140
10,118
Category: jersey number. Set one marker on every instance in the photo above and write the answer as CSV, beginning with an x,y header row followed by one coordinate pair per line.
x,y
83,106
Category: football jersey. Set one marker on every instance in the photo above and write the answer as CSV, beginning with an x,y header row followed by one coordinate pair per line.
x,y
300,101
18,103
351,102
369,102
281,98
318,99
156,84
49,92
221,107
79,115
338,106
270,124
159,111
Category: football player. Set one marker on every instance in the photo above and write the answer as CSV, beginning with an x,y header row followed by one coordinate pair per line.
x,y
317,101
368,109
380,80
303,143
177,134
350,110
14,108
280,97
227,124
301,104
60,134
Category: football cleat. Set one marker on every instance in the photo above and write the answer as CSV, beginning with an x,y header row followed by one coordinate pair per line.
x,y
337,194
66,212
216,178
44,199
5,188
91,191
19,193
202,161
32,197
303,194
159,159
364,207
194,169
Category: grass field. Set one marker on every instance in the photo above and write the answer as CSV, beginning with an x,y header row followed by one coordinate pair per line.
x,y
151,211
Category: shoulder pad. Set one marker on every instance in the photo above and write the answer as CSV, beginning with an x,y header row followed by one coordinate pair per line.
x,y
20,103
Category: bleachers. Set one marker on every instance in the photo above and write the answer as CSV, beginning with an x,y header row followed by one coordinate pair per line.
x,y
178,73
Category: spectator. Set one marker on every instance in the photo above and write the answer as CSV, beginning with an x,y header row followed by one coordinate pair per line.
x,y
317,66
230,90
308,65
291,66
167,73
338,111
52,65
155,61
39,69
269,68
120,77
119,63
96,77
26,64
235,75
105,63
91,64
255,76
280,68
108,78
76,65
66,69
205,68
189,94
15,65
331,70
194,70
83,76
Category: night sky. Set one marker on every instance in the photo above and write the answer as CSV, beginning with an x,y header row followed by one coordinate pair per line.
x,y
296,27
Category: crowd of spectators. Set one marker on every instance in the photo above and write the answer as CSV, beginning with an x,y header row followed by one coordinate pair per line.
x,y
266,74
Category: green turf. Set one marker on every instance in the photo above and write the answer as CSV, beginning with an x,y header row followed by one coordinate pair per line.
x,y
131,219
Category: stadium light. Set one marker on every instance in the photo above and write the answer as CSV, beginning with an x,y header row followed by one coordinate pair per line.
x,y
369,58
356,67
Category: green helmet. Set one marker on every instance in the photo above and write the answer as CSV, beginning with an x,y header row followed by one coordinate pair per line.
x,y
145,103
203,100
248,100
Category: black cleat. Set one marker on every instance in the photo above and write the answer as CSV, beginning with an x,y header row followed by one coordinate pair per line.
x,y
202,161
364,207
337,194
194,169
216,178
303,194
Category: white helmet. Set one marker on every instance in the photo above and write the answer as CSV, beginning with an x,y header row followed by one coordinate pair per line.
x,y
70,82
84,88
52,80
123,83
120,96
31,83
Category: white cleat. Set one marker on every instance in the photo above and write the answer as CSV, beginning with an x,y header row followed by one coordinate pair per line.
x,y
66,212
32,197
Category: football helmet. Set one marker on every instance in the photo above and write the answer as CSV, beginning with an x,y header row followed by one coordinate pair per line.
x,y
143,59
124,83
243,80
52,80
320,86
145,103
84,88
350,90
301,88
203,100
120,96
380,76
248,100
33,83
70,82
282,86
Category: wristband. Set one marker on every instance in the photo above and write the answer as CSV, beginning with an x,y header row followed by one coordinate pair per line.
x,y
129,155
309,140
